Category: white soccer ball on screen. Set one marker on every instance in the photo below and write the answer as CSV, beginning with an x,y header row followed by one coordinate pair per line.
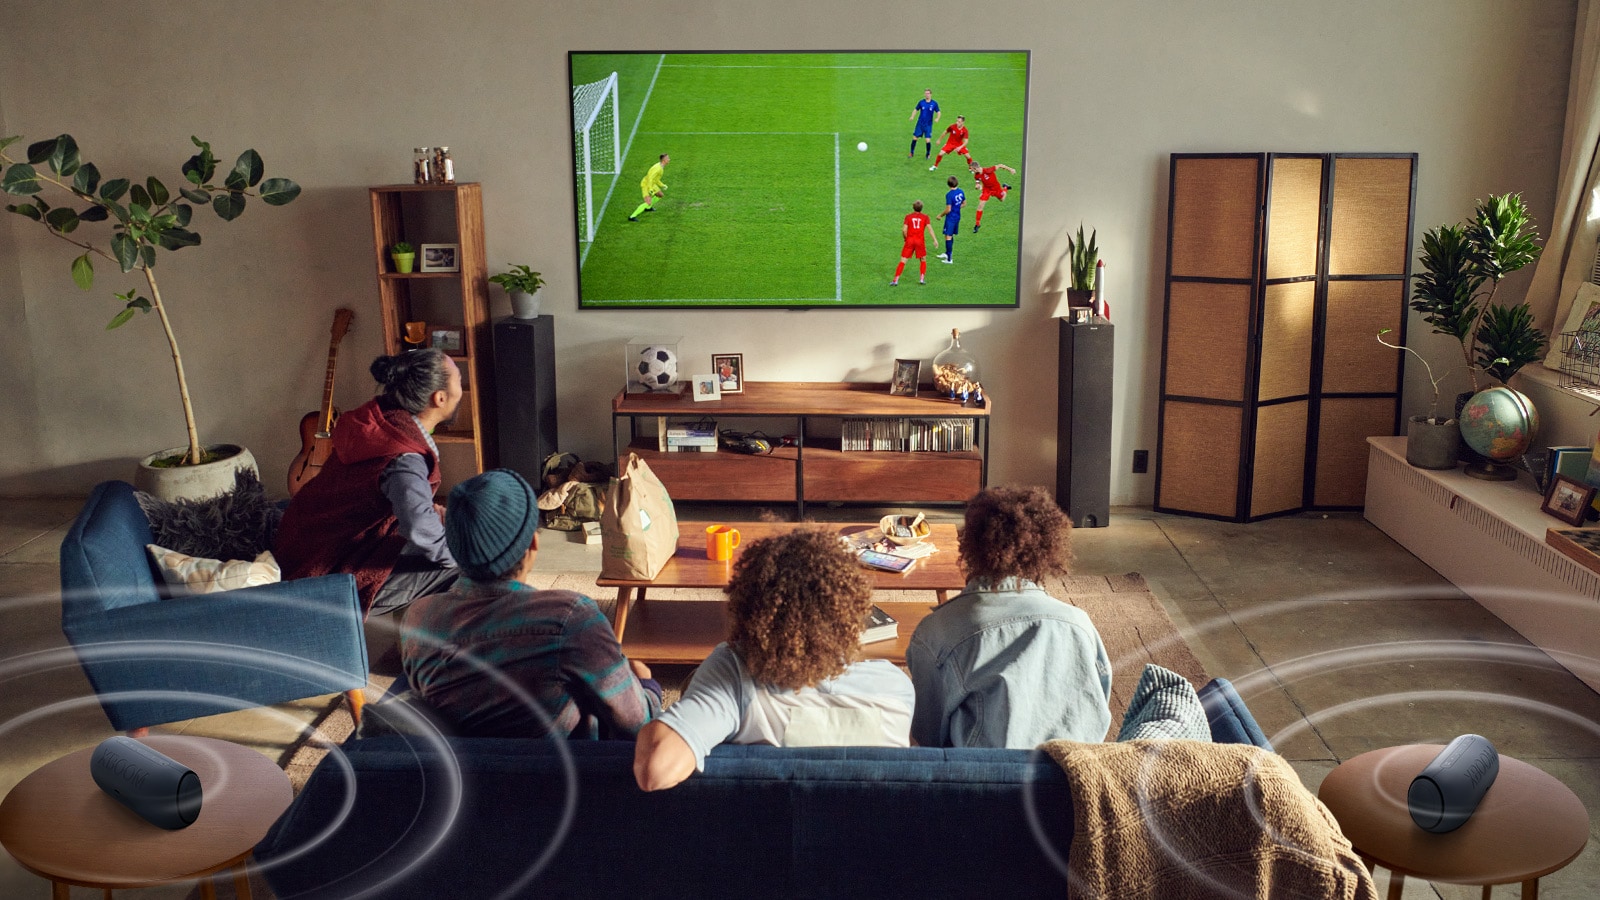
x,y
657,368
862,145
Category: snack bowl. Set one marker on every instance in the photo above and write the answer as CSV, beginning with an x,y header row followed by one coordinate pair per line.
x,y
921,529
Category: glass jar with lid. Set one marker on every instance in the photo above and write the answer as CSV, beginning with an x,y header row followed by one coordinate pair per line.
x,y
444,168
955,371
422,165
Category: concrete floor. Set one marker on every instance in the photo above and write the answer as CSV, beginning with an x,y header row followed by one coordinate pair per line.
x,y
1339,640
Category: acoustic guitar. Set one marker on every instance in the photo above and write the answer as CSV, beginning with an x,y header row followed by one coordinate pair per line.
x,y
316,427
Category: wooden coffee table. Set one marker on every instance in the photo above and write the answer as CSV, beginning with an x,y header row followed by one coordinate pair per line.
x,y
59,825
1527,826
686,631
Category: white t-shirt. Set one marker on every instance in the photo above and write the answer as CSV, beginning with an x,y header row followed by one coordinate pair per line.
x,y
869,705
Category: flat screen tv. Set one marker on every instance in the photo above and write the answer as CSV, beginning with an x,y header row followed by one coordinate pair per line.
x,y
786,179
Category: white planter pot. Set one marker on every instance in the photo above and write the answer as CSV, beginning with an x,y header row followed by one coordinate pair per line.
x,y
526,306
193,482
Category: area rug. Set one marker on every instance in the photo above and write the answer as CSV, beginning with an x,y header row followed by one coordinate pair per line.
x,y
1131,621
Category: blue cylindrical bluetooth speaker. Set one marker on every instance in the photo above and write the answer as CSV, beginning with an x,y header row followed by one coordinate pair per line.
x,y
160,789
1447,791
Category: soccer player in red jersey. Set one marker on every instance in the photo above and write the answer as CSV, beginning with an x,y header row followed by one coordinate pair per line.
x,y
955,141
915,231
989,180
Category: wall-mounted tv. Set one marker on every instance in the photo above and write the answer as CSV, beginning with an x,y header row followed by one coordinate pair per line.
x,y
786,179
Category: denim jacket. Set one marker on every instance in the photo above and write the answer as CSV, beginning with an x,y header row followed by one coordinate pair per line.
x,y
1007,665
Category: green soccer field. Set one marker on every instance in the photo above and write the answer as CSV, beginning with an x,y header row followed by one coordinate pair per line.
x,y
770,203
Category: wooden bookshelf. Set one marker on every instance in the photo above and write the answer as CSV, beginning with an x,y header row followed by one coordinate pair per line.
x,y
815,470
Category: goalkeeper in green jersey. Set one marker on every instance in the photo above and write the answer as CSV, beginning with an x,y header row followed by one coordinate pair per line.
x,y
652,187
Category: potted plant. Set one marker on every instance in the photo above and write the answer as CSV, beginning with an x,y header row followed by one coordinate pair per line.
x,y
1432,441
144,217
1085,255
403,257
525,288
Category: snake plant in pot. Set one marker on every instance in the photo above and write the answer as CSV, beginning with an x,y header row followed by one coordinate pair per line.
x,y
1084,255
142,217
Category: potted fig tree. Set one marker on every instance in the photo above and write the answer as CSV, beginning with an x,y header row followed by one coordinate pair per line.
x,y
526,289
143,217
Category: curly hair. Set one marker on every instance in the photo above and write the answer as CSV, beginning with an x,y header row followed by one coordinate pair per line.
x,y
1015,532
797,603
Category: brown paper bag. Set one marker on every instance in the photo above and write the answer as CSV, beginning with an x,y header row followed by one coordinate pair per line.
x,y
638,527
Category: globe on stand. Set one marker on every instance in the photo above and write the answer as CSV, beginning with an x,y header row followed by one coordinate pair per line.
x,y
1500,424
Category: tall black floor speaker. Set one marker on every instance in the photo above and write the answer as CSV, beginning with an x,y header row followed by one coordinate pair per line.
x,y
525,393
1083,423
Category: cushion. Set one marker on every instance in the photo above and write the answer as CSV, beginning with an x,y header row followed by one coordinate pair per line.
x,y
1164,705
187,574
235,525
1583,321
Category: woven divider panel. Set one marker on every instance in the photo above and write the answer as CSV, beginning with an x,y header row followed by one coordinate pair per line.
x,y
1292,217
1286,339
1279,477
1346,423
1200,446
1371,203
1352,359
1206,348
1214,217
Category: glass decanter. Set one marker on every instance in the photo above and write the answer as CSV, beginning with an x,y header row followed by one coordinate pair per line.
x,y
955,372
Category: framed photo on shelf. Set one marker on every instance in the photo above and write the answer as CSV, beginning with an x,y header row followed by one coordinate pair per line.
x,y
1568,499
906,374
706,387
730,372
448,340
441,258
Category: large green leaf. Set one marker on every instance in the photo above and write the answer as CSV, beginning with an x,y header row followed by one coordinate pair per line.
x,y
83,271
25,209
63,219
21,180
40,151
148,253
94,213
200,167
138,196
195,196
178,238
126,250
184,212
114,189
229,206
8,141
64,160
157,191
278,191
120,319
87,179
118,210
249,166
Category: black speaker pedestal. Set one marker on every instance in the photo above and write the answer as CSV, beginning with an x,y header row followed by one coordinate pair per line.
x,y
525,393
1083,423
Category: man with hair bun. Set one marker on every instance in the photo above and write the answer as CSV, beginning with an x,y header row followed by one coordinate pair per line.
x,y
788,675
497,658
1004,664
370,511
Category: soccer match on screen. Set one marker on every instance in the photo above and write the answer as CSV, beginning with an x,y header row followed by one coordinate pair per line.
x,y
799,180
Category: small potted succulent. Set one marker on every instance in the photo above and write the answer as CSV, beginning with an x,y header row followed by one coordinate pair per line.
x,y
1085,255
526,289
403,256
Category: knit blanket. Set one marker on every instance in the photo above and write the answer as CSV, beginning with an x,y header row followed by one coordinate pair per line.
x,y
1176,819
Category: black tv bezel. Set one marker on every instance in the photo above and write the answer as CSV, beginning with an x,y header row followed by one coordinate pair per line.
x,y
572,184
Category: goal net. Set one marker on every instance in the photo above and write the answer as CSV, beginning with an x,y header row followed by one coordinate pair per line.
x,y
596,145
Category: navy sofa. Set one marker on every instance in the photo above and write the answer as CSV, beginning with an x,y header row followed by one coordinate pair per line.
x,y
153,660
410,816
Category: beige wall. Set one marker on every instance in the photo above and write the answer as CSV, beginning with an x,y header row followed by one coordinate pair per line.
x,y
335,95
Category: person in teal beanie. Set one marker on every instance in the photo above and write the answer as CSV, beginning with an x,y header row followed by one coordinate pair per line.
x,y
496,657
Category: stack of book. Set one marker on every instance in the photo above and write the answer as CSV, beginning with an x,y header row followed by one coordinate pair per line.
x,y
880,627
697,436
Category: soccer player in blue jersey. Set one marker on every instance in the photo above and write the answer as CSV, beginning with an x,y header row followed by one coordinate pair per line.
x,y
954,199
926,113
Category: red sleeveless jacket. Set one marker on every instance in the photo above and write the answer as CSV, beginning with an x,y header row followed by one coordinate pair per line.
x,y
341,521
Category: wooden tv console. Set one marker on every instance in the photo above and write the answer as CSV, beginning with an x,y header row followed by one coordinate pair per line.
x,y
815,469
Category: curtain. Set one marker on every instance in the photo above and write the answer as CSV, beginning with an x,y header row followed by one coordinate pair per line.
x,y
1569,250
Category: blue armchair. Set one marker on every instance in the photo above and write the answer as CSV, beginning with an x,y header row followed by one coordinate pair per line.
x,y
153,660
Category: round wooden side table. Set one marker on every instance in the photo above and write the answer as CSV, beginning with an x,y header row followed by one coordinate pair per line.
x,y
59,825
1527,826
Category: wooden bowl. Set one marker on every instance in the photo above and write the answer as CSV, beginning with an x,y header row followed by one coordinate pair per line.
x,y
887,524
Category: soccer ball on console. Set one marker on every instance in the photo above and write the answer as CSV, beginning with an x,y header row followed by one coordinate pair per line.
x,y
657,368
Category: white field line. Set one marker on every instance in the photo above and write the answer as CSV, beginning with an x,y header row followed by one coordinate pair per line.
x,y
838,249
621,164
874,68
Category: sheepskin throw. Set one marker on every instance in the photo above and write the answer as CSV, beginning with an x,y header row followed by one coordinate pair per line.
x,y
236,525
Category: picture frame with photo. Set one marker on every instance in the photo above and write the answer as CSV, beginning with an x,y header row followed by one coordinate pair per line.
x,y
447,339
730,371
705,386
907,372
1568,499
440,258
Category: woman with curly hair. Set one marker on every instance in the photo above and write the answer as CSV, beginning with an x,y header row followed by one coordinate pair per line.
x,y
788,674
1004,664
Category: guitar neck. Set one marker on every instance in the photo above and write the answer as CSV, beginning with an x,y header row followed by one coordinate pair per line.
x,y
325,424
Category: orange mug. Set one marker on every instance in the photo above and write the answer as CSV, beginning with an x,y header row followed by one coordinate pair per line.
x,y
720,541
